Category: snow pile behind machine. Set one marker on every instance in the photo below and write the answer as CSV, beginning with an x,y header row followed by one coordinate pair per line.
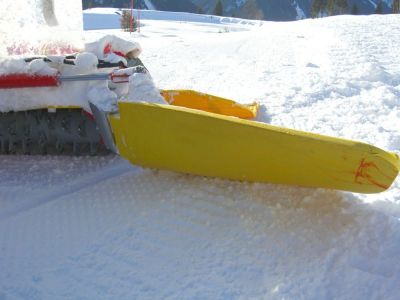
x,y
32,27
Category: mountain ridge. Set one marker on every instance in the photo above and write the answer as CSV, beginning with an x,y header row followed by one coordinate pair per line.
x,y
272,10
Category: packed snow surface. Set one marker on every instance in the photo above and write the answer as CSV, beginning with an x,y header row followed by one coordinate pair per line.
x,y
100,228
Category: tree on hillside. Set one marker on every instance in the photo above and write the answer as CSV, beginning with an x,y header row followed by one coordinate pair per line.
x,y
250,10
199,10
331,7
379,8
127,20
354,9
218,10
87,4
396,6
318,8
342,7
337,7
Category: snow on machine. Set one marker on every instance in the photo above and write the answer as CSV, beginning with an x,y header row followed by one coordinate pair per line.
x,y
102,99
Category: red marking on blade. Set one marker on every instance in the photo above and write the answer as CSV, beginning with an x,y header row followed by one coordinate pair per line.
x,y
362,172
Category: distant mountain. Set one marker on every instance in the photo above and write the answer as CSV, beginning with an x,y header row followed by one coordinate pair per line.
x,y
167,5
172,5
282,10
274,10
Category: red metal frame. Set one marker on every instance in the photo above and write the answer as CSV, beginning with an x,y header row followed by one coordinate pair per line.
x,y
11,81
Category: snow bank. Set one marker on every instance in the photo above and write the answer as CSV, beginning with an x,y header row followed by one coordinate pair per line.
x,y
101,18
39,67
109,18
101,95
142,88
86,63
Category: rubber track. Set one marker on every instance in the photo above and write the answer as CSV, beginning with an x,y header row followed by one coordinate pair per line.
x,y
67,131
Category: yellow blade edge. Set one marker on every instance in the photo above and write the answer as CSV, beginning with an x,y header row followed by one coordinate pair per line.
x,y
201,143
210,103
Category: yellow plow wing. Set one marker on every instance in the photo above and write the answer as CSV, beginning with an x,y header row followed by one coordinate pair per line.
x,y
196,142
210,103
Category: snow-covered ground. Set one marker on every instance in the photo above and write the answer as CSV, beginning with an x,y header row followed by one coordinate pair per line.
x,y
100,228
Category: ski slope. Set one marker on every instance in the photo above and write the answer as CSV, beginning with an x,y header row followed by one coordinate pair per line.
x,y
100,228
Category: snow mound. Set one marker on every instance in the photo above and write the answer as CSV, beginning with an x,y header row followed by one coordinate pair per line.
x,y
86,62
142,88
110,47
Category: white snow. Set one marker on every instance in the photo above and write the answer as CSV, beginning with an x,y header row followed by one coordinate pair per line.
x,y
113,44
109,48
109,18
100,228
39,67
100,94
86,63
142,88
67,94
29,27
13,66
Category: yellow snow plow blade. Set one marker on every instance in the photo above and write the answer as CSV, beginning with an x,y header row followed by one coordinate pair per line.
x,y
210,103
201,143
